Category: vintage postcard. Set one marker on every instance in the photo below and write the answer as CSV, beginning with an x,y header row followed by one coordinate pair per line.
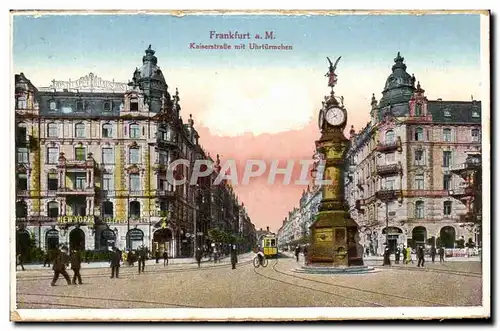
x,y
250,166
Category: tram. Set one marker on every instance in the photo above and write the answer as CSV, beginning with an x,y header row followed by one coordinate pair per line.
x,y
269,244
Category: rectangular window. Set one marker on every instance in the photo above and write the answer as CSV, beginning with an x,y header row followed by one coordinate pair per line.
x,y
389,184
52,182
135,132
22,182
107,131
80,180
80,153
21,135
53,132
108,157
107,182
135,182
419,157
52,155
419,182
80,130
447,208
447,135
419,210
134,156
390,158
134,105
446,159
163,157
447,182
22,155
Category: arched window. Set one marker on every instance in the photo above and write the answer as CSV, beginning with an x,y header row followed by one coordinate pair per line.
x,y
418,109
134,210
79,130
419,134
135,131
107,130
108,105
52,209
447,134
419,209
21,209
52,130
21,102
107,209
389,137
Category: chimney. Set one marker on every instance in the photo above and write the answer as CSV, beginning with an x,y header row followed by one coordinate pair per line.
x,y
267,229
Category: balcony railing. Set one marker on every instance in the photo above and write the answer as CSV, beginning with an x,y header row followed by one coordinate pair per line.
x,y
462,192
389,146
425,193
467,166
76,191
389,169
386,194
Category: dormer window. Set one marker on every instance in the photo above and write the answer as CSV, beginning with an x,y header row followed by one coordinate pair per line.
x,y
52,105
107,106
418,109
446,113
79,106
21,102
134,104
475,114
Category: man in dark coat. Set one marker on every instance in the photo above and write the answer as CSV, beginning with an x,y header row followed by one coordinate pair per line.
x,y
165,258
76,264
141,262
398,254
234,256
297,252
420,256
61,260
441,254
116,257
433,253
387,256
198,256
46,258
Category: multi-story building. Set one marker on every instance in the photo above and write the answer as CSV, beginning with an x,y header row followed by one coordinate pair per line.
x,y
400,178
91,166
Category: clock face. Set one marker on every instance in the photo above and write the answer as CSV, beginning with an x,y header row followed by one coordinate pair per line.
x,y
335,116
321,119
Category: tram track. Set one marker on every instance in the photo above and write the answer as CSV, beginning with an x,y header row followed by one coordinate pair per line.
x,y
131,271
434,270
157,304
344,287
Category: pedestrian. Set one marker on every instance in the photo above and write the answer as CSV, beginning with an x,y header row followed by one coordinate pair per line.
x,y
387,256
76,264
433,253
116,257
306,259
165,258
408,255
398,255
141,262
297,252
19,261
59,266
421,256
441,254
158,256
234,257
198,256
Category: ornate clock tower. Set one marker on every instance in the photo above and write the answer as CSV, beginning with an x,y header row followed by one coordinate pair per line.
x,y
334,232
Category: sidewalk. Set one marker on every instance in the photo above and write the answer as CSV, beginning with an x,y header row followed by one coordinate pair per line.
x,y
151,262
381,258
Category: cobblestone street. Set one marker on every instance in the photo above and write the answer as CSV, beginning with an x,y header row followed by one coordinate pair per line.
x,y
216,285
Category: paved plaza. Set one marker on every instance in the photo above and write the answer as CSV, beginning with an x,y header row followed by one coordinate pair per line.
x,y
216,285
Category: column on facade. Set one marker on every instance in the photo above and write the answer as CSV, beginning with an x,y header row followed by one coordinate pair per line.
x,y
90,206
62,206
62,177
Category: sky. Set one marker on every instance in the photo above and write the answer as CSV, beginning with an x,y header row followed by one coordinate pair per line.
x,y
258,103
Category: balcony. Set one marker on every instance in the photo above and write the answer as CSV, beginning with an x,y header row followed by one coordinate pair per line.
x,y
389,169
426,193
462,192
471,165
419,119
89,163
23,140
388,195
165,193
386,147
66,191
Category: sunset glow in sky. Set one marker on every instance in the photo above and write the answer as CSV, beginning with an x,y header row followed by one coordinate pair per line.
x,y
259,103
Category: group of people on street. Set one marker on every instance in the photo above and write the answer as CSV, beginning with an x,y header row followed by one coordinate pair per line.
x,y
61,261
407,255
297,252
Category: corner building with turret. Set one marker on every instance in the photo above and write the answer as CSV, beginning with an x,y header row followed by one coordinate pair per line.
x,y
91,167
403,181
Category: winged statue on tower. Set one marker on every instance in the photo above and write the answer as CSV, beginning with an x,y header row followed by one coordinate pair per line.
x,y
332,77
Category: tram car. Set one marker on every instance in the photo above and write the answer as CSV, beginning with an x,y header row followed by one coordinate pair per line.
x,y
269,244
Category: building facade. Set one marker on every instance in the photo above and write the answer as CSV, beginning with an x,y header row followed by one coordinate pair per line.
x,y
91,167
401,183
